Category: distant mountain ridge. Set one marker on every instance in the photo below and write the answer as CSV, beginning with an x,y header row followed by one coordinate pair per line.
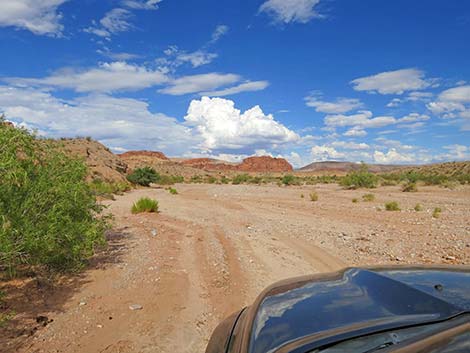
x,y
345,167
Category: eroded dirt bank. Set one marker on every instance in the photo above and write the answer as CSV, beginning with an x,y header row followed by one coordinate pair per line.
x,y
213,248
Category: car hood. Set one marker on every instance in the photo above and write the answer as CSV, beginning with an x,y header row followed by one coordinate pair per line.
x,y
310,312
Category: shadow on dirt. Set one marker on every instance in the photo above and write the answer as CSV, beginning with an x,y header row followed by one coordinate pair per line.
x,y
28,303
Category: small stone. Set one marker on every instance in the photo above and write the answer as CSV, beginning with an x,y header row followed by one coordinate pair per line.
x,y
135,307
82,303
99,326
154,232
449,257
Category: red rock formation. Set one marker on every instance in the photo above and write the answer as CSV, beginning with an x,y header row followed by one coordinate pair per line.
x,y
265,164
153,154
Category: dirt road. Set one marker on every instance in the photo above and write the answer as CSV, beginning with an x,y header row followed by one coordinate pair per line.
x,y
213,248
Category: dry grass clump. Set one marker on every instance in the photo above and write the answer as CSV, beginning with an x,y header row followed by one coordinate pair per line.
x,y
145,204
392,206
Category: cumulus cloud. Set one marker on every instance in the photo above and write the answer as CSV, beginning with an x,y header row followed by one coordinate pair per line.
x,y
225,128
108,77
452,103
286,11
117,122
340,105
326,153
392,156
114,21
355,132
249,86
350,145
414,117
41,17
393,82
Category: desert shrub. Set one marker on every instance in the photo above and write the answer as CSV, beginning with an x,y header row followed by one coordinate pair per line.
x,y
355,200
290,179
106,190
360,179
240,179
418,207
392,206
143,176
409,187
224,180
145,204
49,216
437,212
211,179
302,196
173,191
313,196
388,182
168,179
197,179
368,197
256,180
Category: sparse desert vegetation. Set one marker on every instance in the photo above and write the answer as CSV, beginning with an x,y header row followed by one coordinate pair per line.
x,y
392,206
145,205
313,196
368,197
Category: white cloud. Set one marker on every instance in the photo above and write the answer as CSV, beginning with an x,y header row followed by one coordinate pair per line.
x,y
249,86
452,103
455,152
414,117
341,105
117,56
286,11
362,120
115,21
457,94
113,121
223,127
219,32
411,97
38,16
326,153
197,58
142,4
350,145
393,82
108,77
393,157
355,132
199,83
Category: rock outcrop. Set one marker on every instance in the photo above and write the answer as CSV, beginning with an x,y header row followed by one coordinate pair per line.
x,y
152,154
264,164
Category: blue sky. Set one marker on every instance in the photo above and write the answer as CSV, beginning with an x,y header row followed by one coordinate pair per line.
x,y
308,80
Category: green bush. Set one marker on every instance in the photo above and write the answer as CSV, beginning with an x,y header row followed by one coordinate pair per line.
x,y
145,204
355,200
418,207
368,197
290,179
108,190
143,176
48,213
313,196
240,179
409,187
360,179
173,191
437,212
392,206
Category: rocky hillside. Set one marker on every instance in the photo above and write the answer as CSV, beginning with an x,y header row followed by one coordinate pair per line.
x,y
136,159
450,169
264,164
103,164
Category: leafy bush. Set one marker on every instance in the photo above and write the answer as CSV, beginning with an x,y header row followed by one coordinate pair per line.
x,y
368,197
392,206
313,196
145,204
409,187
290,179
355,200
48,213
197,179
143,176
418,207
211,179
224,180
107,190
437,212
173,191
360,179
240,179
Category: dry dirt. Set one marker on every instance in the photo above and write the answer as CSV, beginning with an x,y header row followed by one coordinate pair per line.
x,y
213,248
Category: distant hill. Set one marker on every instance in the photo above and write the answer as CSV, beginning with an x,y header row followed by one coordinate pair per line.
x,y
345,167
450,169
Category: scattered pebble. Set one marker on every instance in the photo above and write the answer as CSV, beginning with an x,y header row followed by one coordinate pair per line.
x,y
135,307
